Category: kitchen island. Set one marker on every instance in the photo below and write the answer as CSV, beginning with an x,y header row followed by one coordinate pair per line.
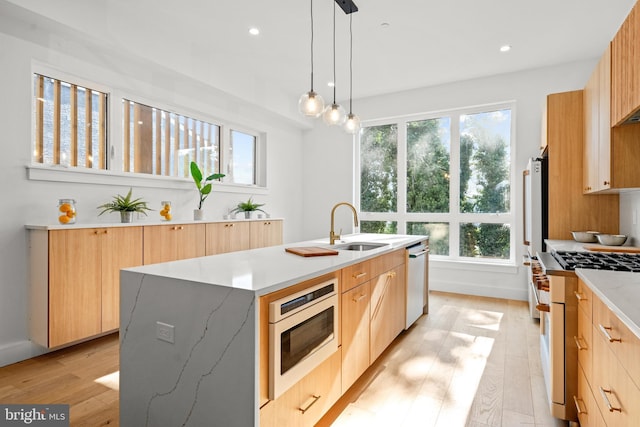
x,y
190,330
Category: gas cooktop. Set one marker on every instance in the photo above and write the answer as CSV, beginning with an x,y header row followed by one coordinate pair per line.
x,y
598,260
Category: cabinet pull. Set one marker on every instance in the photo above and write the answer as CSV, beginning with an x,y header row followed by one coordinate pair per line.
x,y
579,296
315,399
576,400
96,231
606,183
603,393
360,298
359,275
391,274
605,331
543,307
577,340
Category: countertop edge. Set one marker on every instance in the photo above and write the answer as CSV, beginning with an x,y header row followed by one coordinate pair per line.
x,y
595,281
141,223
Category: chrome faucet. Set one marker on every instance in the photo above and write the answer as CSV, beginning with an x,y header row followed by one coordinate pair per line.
x,y
332,235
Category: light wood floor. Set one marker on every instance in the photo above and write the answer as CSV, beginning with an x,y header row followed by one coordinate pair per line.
x,y
471,362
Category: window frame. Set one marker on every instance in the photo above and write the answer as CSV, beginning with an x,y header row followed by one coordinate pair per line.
x,y
115,175
454,218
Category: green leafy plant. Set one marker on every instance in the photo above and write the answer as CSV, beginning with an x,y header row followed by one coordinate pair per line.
x,y
204,186
125,204
248,206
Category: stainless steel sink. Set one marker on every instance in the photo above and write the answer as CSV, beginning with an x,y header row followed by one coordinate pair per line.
x,y
358,246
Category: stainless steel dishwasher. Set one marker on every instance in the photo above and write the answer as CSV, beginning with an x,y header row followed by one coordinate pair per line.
x,y
416,282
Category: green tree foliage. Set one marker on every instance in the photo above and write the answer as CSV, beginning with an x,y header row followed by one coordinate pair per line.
x,y
378,172
382,227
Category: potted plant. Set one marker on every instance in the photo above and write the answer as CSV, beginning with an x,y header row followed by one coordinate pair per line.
x,y
126,206
204,187
248,207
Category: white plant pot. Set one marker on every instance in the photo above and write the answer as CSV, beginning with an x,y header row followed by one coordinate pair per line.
x,y
198,214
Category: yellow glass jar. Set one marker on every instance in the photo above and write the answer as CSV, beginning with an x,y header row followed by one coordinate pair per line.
x,y
66,211
165,213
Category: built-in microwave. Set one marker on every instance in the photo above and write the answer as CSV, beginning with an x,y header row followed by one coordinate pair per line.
x,y
303,332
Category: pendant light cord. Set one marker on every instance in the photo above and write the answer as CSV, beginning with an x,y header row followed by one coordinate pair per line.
x,y
334,53
350,63
311,45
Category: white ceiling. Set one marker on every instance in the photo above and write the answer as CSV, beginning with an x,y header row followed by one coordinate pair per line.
x,y
426,43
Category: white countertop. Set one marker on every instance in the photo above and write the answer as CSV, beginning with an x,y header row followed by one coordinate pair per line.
x,y
565,245
266,270
619,290
139,223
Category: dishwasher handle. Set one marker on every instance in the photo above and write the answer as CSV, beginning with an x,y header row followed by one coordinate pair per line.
x,y
418,254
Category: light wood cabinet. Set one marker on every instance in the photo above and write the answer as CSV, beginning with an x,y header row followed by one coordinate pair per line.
x,y
569,209
222,237
164,243
306,401
608,381
265,233
625,76
75,276
355,275
355,333
387,309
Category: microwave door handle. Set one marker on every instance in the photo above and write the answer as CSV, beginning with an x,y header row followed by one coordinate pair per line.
x,y
524,207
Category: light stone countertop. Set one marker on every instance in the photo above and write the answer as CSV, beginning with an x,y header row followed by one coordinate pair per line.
x,y
269,269
566,245
619,290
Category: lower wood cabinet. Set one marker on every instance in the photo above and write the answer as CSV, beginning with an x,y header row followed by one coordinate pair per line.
x,y
267,232
164,243
222,237
387,309
355,333
75,277
308,400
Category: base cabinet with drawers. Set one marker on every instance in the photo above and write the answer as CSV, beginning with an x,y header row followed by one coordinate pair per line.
x,y
609,379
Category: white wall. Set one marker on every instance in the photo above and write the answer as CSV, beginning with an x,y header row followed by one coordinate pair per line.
x,y
328,159
629,211
23,44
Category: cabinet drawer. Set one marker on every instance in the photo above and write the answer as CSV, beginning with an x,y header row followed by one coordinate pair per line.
x,y
585,299
622,342
584,342
586,406
356,274
615,393
386,262
308,400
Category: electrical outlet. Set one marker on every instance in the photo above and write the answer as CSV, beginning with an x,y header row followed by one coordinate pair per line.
x,y
164,332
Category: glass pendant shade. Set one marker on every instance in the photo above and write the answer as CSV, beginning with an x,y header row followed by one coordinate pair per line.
x,y
334,114
311,104
352,125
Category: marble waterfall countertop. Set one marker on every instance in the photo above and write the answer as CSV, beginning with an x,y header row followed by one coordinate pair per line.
x,y
266,270
619,290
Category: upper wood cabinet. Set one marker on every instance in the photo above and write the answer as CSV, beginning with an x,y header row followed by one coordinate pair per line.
x,y
164,243
222,237
267,232
569,209
625,75
75,281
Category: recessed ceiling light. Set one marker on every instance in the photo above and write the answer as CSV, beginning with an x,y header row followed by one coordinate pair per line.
x,y
385,25
254,31
505,48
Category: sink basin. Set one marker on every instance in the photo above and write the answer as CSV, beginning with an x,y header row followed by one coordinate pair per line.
x,y
358,246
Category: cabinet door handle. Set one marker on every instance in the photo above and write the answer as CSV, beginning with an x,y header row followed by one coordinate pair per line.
x,y
579,296
391,274
606,183
603,393
605,331
580,410
315,399
359,298
580,346
359,275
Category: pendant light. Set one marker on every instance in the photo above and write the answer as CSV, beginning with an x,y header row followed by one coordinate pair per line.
x,y
311,104
352,125
334,114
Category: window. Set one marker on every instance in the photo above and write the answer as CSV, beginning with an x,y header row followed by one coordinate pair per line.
x,y
241,165
160,142
445,175
70,124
